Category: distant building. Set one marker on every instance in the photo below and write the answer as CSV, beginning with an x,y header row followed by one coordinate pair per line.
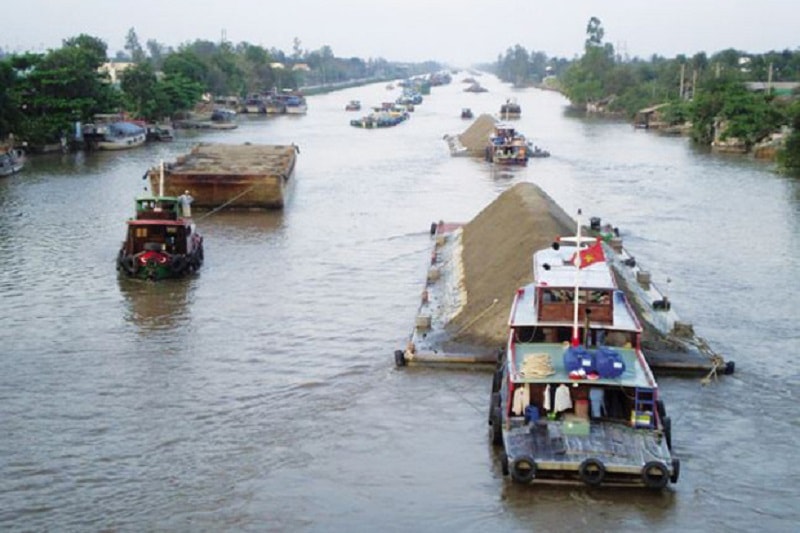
x,y
114,69
778,88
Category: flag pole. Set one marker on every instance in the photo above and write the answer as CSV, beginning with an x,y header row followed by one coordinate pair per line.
x,y
575,337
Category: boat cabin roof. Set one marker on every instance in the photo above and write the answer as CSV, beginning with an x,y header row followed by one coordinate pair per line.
x,y
157,207
554,268
157,222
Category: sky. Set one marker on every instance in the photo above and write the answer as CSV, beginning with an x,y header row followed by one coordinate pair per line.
x,y
457,33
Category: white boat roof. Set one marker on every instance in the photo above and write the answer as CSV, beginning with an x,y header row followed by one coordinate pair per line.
x,y
554,268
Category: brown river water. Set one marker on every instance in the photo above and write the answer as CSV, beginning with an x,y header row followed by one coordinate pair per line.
x,y
261,394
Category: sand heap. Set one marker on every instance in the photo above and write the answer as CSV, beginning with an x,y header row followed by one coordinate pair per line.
x,y
476,136
498,246
473,141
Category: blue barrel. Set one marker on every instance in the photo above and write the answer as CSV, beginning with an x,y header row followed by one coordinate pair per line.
x,y
609,362
531,413
578,357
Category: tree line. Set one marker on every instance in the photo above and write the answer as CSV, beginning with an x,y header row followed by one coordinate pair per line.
x,y
42,95
708,92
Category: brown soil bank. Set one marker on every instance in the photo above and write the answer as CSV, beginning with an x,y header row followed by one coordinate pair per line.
x,y
497,259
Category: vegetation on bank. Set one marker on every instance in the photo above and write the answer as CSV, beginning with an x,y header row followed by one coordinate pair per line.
x,y
708,93
43,95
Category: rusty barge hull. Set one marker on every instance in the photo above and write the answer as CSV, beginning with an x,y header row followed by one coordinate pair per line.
x,y
247,176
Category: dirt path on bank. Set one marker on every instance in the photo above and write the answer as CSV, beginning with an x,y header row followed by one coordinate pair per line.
x,y
497,259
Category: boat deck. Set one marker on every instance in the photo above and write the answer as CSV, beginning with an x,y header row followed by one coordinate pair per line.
x,y
635,374
560,446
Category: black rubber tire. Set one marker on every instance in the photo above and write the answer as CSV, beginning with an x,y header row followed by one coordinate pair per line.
x,y
497,380
660,408
730,368
434,226
592,471
676,470
503,458
523,469
399,358
497,427
666,422
655,475
494,402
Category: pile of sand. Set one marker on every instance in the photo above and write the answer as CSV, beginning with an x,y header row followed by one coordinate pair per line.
x,y
497,259
476,137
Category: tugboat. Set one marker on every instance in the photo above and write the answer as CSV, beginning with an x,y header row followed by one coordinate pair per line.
x,y
161,242
507,146
510,110
573,398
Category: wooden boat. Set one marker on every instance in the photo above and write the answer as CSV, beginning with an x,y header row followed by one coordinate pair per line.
x,y
573,398
507,146
160,241
249,176
510,110
353,105
466,113
12,160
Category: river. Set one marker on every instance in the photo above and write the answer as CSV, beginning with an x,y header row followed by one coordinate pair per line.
x,y
261,394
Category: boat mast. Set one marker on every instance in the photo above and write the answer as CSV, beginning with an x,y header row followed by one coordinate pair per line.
x,y
161,180
575,337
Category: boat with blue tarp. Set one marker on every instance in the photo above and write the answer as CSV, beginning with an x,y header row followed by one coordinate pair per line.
x,y
573,398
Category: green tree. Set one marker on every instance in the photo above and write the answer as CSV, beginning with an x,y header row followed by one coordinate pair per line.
x,y
139,84
133,47
789,155
63,86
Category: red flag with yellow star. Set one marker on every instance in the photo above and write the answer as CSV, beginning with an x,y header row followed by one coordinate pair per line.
x,y
591,255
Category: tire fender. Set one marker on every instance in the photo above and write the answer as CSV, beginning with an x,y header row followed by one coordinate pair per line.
x,y
523,469
592,471
676,470
655,475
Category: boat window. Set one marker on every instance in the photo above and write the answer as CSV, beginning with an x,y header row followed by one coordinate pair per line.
x,y
141,233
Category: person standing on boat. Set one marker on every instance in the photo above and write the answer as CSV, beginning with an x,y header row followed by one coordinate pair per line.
x,y
185,201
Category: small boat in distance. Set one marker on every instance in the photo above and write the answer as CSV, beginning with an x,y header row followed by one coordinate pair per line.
x,y
510,110
12,160
353,105
573,398
466,113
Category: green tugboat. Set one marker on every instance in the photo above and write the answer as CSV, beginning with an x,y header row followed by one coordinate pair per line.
x,y
161,242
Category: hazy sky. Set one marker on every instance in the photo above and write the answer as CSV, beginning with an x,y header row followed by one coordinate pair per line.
x,y
456,32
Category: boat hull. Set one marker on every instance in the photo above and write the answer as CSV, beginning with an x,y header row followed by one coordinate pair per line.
x,y
245,176
124,143
157,266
